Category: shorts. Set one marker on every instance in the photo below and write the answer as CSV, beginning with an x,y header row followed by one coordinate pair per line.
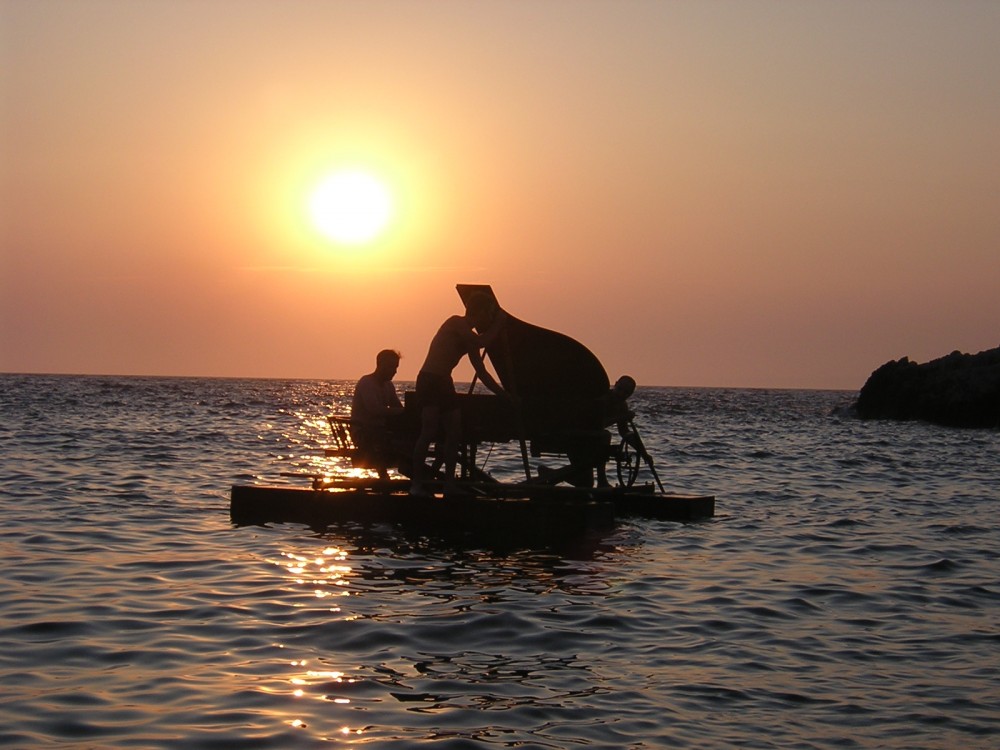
x,y
436,390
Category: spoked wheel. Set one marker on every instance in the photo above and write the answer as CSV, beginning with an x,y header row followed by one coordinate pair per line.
x,y
628,461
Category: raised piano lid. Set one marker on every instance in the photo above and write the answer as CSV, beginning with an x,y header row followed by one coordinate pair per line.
x,y
559,381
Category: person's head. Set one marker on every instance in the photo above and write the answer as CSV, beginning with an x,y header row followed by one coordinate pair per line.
x,y
624,387
386,363
480,309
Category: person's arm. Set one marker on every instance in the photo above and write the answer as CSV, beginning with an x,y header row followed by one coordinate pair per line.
x,y
395,405
484,375
473,343
621,417
370,400
366,403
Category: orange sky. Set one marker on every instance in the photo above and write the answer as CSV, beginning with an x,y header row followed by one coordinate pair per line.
x,y
738,193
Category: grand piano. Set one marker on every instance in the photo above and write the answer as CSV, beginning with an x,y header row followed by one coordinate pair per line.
x,y
559,388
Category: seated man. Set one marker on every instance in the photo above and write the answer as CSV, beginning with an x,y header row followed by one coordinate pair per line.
x,y
374,401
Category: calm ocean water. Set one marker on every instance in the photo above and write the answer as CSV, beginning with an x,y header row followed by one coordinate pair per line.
x,y
847,594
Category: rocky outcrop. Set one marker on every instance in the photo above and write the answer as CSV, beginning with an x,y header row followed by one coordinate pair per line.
x,y
959,390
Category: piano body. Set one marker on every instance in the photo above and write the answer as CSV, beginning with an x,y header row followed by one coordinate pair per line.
x,y
559,388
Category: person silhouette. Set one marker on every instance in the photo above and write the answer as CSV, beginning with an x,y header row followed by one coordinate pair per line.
x,y
459,336
615,411
373,403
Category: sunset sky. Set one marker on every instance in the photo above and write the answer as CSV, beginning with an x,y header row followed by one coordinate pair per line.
x,y
765,194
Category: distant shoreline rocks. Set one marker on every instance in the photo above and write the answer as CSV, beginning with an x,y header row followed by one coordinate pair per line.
x,y
958,390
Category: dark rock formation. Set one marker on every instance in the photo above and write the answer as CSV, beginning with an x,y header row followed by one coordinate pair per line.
x,y
959,390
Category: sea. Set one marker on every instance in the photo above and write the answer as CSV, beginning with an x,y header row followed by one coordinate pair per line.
x,y
845,595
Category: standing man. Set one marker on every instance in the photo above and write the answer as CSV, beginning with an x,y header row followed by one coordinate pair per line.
x,y
436,389
374,401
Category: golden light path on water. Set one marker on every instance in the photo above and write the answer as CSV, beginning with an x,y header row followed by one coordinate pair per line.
x,y
323,574
310,441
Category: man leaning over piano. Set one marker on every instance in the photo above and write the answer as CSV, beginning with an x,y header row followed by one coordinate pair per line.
x,y
436,388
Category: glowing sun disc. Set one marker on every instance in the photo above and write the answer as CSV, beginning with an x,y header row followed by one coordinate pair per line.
x,y
350,207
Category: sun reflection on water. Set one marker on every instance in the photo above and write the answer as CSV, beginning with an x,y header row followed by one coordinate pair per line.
x,y
318,572
317,684
307,440
313,575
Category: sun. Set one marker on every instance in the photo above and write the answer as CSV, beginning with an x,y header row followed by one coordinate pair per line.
x,y
351,207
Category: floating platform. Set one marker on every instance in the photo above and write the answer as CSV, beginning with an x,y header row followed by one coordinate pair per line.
x,y
494,510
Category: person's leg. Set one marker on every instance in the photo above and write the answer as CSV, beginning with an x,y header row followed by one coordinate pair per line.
x,y
379,453
452,430
430,418
602,459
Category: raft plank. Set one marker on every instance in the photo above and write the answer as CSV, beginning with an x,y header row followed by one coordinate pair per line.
x,y
499,510
444,516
